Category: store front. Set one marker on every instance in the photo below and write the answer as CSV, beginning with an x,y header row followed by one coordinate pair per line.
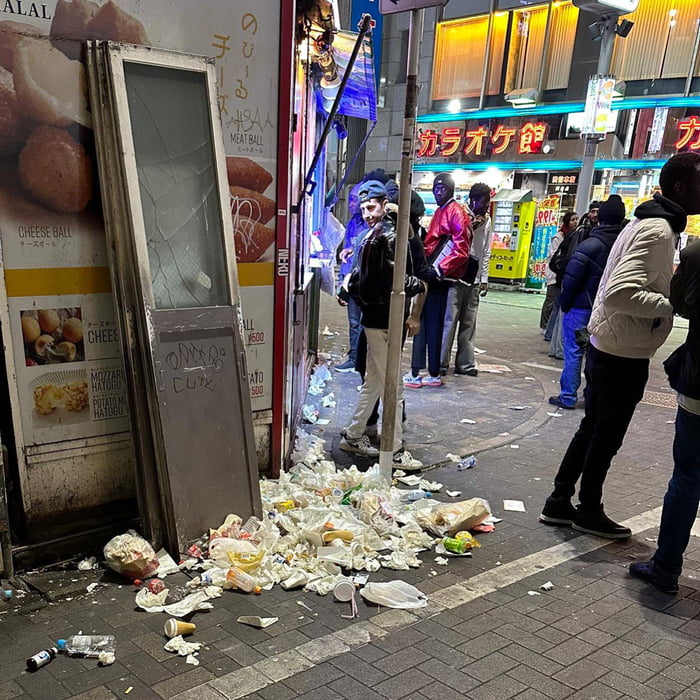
x,y
540,150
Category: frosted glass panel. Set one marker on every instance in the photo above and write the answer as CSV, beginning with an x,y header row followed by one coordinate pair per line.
x,y
170,122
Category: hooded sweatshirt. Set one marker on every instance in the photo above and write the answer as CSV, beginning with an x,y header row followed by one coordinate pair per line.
x,y
632,315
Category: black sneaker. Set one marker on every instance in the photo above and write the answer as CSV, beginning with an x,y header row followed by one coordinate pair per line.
x,y
647,571
595,522
556,401
557,511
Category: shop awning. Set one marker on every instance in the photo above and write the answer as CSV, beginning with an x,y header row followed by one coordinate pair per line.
x,y
359,99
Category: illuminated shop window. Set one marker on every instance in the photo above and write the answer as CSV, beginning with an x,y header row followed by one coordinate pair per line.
x,y
661,42
526,48
460,52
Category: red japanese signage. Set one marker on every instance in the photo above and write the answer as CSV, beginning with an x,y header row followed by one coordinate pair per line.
x,y
453,140
689,130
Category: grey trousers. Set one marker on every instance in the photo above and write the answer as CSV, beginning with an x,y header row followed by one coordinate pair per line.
x,y
460,320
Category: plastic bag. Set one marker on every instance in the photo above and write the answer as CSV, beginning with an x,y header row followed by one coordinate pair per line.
x,y
226,551
449,518
131,555
395,594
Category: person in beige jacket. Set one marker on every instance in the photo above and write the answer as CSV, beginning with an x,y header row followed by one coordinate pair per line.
x,y
631,318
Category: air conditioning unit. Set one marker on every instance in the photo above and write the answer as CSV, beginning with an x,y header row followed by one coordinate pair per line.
x,y
603,7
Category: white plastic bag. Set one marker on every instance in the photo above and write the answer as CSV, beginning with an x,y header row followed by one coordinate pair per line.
x,y
131,555
395,594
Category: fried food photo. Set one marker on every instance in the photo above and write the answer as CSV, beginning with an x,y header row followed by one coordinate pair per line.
x,y
244,172
251,239
249,204
55,169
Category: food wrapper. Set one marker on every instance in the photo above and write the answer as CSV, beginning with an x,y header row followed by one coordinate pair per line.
x,y
449,518
131,555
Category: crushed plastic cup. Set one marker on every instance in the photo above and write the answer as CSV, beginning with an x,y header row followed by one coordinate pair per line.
x,y
173,627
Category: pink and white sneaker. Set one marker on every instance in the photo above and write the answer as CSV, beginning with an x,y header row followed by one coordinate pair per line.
x,y
432,381
411,382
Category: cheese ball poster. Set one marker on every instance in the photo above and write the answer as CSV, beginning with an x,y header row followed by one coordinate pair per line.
x,y
68,367
53,241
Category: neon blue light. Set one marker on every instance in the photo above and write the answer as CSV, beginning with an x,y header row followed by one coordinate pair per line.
x,y
534,166
558,108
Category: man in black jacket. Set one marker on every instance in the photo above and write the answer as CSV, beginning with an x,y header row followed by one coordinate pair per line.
x,y
683,494
370,285
579,287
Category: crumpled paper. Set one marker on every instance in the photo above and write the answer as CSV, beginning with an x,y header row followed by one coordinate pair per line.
x,y
182,648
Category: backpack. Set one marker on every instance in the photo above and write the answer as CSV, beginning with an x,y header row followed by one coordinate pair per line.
x,y
565,251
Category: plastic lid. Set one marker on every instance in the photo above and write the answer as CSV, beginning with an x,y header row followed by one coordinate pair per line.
x,y
61,644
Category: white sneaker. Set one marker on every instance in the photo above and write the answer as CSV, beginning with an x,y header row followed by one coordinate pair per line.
x,y
403,459
411,382
361,446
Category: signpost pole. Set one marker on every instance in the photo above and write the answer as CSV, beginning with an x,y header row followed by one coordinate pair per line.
x,y
398,297
585,183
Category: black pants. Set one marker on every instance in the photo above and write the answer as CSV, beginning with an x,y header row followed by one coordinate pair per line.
x,y
614,387
432,324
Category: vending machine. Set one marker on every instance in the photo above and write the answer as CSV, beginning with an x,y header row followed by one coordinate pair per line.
x,y
513,219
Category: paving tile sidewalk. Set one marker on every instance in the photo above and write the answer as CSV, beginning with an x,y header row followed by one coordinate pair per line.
x,y
597,633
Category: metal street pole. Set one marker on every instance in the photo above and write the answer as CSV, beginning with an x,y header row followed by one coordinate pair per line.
x,y
585,181
398,296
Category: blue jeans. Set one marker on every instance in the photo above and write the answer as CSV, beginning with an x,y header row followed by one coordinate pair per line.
x,y
682,497
570,381
354,328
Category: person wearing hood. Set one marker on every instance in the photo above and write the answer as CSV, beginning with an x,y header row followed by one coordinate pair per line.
x,y
579,288
631,318
683,495
447,246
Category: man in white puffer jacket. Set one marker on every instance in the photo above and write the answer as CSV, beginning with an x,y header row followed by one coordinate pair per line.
x,y
631,318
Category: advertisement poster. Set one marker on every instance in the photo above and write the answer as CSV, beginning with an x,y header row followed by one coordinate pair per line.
x,y
546,223
53,242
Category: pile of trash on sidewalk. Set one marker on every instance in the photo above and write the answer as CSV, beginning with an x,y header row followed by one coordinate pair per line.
x,y
319,524
318,521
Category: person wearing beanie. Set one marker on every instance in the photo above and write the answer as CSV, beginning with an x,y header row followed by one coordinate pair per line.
x,y
447,246
579,287
631,318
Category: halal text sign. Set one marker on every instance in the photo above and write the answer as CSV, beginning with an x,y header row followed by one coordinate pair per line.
x,y
389,7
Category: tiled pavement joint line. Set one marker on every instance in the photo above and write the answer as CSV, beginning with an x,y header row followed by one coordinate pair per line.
x,y
250,679
520,431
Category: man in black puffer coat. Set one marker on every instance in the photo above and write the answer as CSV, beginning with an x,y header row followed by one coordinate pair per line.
x,y
579,287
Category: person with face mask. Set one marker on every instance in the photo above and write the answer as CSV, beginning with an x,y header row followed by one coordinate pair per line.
x,y
447,246
463,298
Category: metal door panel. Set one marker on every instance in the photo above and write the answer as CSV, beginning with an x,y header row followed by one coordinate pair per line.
x,y
182,263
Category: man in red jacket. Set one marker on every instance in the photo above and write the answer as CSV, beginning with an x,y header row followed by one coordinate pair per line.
x,y
447,247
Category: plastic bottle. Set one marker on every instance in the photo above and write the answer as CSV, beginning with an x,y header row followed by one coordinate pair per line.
x,y
415,495
88,645
236,578
44,657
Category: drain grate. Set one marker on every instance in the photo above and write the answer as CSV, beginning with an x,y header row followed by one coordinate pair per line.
x,y
662,399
